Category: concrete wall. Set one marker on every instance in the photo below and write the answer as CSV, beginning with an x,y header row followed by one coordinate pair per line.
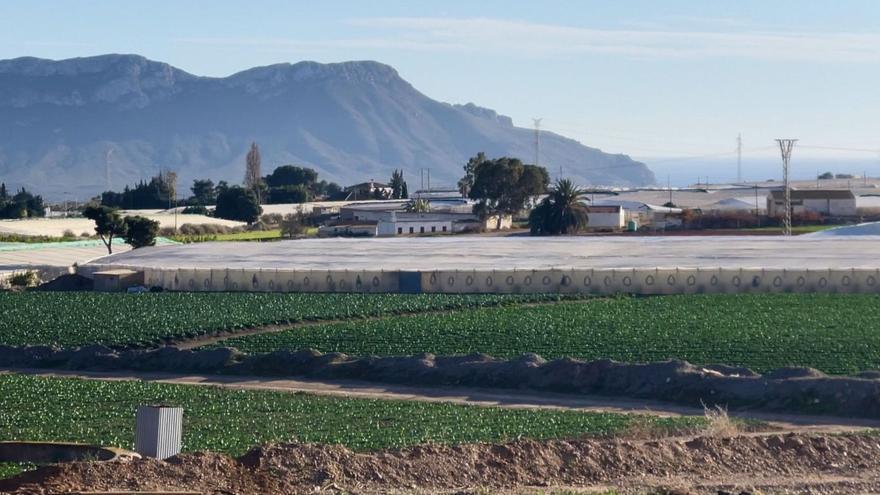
x,y
598,281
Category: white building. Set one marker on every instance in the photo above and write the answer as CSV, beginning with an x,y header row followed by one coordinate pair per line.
x,y
833,202
606,217
395,223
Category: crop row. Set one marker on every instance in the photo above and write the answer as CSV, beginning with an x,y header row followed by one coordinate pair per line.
x,y
834,333
68,318
231,421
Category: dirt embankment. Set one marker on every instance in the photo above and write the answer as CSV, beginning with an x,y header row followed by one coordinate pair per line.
x,y
790,463
802,390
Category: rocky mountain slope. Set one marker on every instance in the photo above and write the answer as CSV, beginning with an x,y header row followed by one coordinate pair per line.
x,y
69,128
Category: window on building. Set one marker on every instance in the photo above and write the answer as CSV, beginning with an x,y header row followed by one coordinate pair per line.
x,y
410,230
433,229
422,230
399,230
444,228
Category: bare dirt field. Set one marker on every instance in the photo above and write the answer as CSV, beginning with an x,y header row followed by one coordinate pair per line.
x,y
793,463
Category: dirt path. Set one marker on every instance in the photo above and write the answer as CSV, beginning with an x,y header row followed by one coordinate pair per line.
x,y
476,397
215,337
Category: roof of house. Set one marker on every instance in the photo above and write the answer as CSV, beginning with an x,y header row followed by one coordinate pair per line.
x,y
605,208
815,194
367,184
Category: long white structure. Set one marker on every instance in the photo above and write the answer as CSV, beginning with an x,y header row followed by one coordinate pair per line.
x,y
644,265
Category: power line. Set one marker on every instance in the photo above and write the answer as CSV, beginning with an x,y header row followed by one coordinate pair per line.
x,y
840,148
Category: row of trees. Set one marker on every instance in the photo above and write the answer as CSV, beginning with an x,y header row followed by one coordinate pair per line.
x,y
22,204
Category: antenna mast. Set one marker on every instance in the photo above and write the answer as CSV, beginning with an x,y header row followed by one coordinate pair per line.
x,y
785,146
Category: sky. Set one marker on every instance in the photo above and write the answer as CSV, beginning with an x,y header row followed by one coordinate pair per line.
x,y
670,82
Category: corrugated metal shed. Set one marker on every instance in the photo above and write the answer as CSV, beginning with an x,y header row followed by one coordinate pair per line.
x,y
159,431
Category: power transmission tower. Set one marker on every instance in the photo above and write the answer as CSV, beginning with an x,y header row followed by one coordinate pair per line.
x,y
537,139
739,158
785,146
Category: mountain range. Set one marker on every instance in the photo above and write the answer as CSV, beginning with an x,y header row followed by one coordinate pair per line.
x,y
72,128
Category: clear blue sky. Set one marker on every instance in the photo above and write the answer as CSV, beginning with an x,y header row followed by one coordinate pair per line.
x,y
648,78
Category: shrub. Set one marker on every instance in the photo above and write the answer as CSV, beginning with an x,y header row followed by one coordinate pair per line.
x,y
24,279
196,210
68,234
294,224
272,219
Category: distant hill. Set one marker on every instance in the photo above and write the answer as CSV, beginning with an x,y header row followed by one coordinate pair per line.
x,y
64,123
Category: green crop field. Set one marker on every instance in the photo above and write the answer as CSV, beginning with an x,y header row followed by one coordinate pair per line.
x,y
78,318
834,333
231,421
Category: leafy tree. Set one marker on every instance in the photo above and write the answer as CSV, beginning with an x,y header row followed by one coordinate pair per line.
x,y
504,186
467,182
153,194
378,193
203,192
238,203
3,194
534,181
21,205
561,212
398,185
329,190
108,223
290,175
826,176
221,186
252,174
289,194
419,205
140,231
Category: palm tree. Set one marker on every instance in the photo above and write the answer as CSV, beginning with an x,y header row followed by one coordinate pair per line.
x,y
418,206
561,212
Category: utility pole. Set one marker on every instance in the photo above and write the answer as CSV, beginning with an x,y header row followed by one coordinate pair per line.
x,y
669,186
429,179
538,140
739,158
785,147
107,157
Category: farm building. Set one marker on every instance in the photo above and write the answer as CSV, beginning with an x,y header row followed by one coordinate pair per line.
x,y
368,190
833,202
606,217
649,215
395,223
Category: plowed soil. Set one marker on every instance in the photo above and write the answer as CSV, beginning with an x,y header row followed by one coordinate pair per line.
x,y
793,463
